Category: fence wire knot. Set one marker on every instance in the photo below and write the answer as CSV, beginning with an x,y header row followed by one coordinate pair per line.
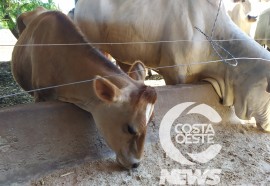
x,y
215,45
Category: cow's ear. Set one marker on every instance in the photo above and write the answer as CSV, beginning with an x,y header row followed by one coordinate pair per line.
x,y
105,90
20,24
137,71
25,18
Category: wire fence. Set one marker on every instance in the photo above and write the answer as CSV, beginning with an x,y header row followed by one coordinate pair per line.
x,y
157,68
130,42
233,61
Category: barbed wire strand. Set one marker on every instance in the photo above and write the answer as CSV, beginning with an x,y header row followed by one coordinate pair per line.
x,y
214,25
214,44
157,68
127,43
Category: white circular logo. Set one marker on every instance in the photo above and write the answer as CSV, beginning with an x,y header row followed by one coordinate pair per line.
x,y
187,133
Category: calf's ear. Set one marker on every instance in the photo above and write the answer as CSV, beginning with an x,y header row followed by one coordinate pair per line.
x,y
105,90
20,24
137,71
25,18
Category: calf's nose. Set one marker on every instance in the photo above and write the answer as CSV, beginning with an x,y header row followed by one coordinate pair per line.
x,y
135,165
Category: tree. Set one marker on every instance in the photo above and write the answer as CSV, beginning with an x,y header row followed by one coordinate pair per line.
x,y
11,9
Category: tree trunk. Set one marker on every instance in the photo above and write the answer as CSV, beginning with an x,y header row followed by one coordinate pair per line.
x,y
12,26
15,33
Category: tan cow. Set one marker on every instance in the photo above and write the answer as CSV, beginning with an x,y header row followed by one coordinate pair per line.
x,y
245,86
262,34
244,13
71,16
121,105
241,16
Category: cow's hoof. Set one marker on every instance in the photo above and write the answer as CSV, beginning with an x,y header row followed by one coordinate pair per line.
x,y
265,127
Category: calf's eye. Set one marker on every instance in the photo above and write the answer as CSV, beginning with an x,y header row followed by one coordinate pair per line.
x,y
131,130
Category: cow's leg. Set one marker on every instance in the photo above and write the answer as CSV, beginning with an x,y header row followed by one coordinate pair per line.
x,y
265,126
171,76
38,97
149,72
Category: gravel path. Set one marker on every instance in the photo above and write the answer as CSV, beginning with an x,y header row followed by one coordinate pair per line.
x,y
9,86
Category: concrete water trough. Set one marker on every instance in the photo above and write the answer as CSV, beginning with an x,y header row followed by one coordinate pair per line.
x,y
39,138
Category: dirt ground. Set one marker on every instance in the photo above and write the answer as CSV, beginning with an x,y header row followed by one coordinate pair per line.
x,y
9,86
243,160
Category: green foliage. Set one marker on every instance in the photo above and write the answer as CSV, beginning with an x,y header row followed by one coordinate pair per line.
x,y
11,9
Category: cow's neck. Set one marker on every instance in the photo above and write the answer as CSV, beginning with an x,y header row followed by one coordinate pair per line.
x,y
83,94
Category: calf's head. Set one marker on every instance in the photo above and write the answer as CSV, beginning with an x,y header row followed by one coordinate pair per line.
x,y
123,114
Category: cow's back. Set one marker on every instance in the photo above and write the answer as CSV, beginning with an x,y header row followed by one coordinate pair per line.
x,y
159,34
41,51
125,21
